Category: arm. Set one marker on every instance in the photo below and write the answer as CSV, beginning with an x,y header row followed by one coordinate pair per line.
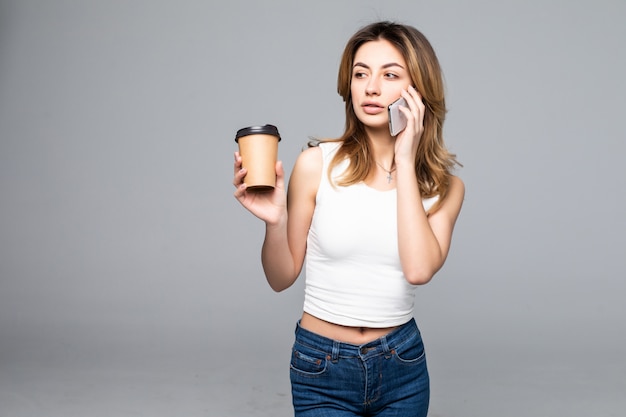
x,y
423,241
284,247
287,220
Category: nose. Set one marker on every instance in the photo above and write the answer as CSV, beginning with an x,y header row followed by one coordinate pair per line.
x,y
373,87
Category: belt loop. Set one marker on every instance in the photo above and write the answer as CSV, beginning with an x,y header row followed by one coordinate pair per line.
x,y
335,353
385,345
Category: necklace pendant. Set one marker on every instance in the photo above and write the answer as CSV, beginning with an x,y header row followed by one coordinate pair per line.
x,y
388,177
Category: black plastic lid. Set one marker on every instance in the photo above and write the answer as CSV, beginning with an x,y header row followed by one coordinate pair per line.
x,y
258,130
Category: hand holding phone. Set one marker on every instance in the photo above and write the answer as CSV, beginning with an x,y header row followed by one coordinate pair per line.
x,y
397,120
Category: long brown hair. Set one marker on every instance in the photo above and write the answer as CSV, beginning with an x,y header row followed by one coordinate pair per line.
x,y
433,164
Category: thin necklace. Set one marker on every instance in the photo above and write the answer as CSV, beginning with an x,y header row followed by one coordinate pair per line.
x,y
389,177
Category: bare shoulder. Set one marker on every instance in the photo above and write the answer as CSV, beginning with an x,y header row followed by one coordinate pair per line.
x,y
457,187
309,159
307,172
451,206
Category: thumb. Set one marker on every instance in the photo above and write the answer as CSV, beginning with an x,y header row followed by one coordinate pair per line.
x,y
280,175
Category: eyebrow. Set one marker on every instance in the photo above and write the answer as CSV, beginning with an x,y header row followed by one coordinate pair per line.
x,y
389,65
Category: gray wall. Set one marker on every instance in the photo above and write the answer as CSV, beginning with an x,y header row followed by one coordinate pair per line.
x,y
122,248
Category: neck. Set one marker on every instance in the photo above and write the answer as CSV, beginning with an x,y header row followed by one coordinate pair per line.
x,y
379,135
383,151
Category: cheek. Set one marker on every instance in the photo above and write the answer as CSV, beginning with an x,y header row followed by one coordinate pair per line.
x,y
403,87
356,109
354,99
353,90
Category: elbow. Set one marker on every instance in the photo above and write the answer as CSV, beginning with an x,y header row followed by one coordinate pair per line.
x,y
420,271
280,283
418,279
279,280
278,287
420,276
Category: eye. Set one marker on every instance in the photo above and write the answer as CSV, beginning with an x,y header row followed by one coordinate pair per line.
x,y
391,75
359,75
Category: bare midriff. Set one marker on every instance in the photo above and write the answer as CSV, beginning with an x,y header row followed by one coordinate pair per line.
x,y
346,334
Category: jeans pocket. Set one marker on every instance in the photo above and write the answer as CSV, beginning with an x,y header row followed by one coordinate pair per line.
x,y
308,363
411,352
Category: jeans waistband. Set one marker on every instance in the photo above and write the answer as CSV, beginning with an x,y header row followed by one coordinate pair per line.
x,y
335,348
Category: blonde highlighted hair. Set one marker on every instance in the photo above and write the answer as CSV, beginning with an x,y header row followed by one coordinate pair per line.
x,y
433,164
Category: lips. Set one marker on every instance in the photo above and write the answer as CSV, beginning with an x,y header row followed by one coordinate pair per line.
x,y
371,107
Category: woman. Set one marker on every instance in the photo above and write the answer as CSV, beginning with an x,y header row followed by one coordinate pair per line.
x,y
373,215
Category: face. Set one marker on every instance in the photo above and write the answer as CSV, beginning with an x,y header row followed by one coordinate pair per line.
x,y
379,74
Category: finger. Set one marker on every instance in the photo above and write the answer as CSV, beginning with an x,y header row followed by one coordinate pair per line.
x,y
239,176
237,163
417,99
280,175
417,96
240,192
411,104
411,119
417,107
239,171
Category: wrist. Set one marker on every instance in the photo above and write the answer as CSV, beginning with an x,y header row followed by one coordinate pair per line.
x,y
277,223
405,165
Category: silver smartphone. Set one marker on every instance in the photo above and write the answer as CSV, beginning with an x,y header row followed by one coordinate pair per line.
x,y
397,120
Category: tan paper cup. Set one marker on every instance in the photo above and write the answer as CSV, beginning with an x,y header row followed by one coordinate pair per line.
x,y
258,147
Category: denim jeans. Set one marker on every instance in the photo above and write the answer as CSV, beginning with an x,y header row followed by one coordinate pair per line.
x,y
387,377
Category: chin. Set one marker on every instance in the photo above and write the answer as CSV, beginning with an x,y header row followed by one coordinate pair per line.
x,y
377,126
371,122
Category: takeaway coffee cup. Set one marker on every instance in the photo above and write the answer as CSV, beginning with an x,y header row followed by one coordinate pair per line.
x,y
258,147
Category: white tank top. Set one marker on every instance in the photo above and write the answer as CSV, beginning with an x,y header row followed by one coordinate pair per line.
x,y
353,275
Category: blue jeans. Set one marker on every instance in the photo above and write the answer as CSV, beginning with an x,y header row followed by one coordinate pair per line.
x,y
387,377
